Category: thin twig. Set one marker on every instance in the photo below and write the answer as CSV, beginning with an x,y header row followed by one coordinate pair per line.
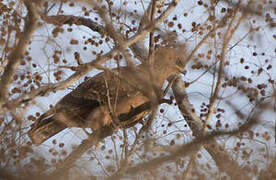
x,y
227,37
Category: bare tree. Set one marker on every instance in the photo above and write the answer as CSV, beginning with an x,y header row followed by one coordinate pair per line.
x,y
186,90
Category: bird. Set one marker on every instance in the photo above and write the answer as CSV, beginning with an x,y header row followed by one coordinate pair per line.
x,y
98,99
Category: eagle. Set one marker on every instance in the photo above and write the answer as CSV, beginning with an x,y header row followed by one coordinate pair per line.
x,y
96,101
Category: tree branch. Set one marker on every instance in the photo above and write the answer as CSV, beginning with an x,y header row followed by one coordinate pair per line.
x,y
221,158
19,50
60,20
227,37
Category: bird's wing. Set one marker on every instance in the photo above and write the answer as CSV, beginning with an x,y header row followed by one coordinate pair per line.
x,y
101,88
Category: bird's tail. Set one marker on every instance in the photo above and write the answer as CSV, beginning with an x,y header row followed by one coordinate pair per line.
x,y
45,129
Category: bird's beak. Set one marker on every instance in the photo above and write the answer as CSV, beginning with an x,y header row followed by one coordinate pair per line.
x,y
180,66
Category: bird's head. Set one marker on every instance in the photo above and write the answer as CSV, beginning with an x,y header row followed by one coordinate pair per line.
x,y
169,61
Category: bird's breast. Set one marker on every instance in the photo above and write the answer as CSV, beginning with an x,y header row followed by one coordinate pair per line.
x,y
101,116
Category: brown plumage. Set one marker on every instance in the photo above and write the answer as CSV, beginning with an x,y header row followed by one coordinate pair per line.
x,y
118,90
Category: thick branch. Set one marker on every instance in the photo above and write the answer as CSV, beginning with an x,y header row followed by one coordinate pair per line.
x,y
221,158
